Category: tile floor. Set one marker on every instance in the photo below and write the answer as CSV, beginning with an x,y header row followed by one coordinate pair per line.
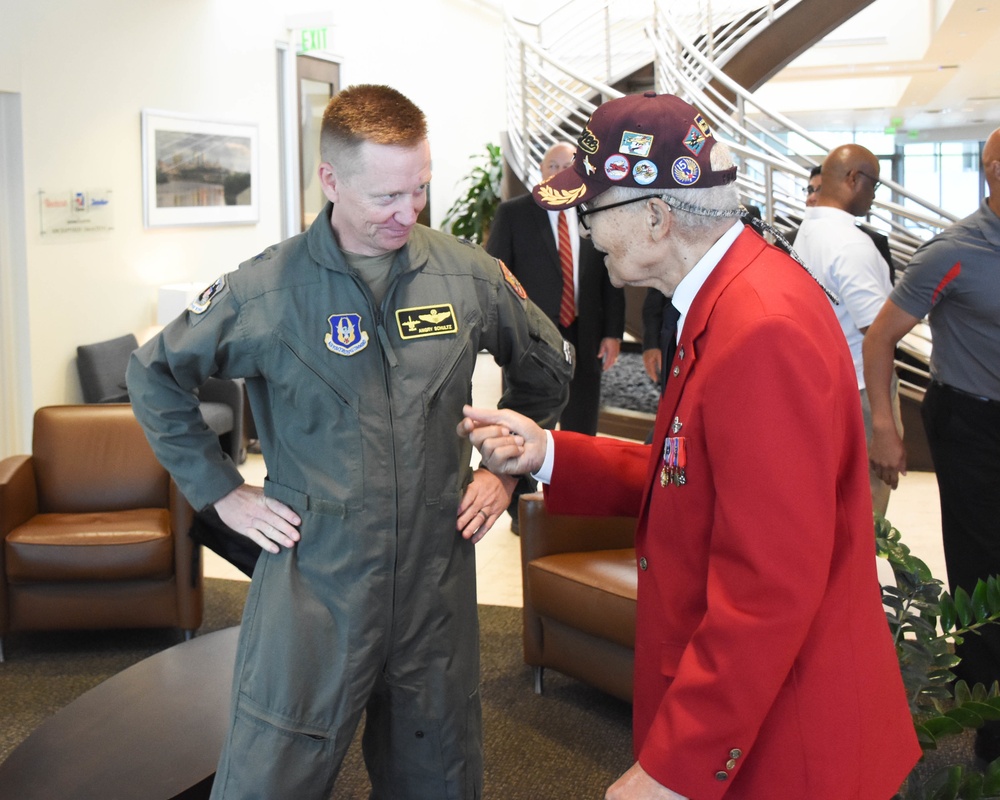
x,y
913,509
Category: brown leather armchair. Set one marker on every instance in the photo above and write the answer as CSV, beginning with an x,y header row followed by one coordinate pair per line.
x,y
94,531
579,582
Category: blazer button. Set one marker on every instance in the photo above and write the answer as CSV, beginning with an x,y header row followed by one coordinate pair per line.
x,y
731,764
642,563
735,753
721,776
677,371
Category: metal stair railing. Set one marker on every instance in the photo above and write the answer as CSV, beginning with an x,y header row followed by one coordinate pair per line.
x,y
768,160
560,68
771,173
572,56
556,68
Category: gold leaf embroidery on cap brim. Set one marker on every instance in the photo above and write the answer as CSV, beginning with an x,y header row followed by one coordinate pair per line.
x,y
563,197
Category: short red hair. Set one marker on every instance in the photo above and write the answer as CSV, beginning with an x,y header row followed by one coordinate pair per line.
x,y
369,113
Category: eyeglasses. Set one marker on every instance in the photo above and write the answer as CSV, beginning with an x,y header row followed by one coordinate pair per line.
x,y
582,212
812,189
875,181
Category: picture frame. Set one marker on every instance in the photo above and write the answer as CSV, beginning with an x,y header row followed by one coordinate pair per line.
x,y
197,171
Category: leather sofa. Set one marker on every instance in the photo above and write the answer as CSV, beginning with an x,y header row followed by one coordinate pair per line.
x,y
93,531
579,583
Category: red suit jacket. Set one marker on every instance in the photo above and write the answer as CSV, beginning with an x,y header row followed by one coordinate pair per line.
x,y
764,667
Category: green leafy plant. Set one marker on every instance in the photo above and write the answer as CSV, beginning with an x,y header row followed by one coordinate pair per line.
x,y
926,622
471,215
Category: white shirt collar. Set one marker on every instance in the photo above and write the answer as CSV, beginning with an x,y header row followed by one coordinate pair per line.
x,y
691,283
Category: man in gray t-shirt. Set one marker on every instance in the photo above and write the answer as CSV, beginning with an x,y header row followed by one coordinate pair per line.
x,y
955,279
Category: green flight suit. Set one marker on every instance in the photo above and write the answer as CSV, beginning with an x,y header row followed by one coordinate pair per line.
x,y
356,408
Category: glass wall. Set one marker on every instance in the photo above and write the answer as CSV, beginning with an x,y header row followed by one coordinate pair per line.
x,y
946,174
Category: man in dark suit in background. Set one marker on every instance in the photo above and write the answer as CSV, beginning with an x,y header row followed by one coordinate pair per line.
x,y
590,313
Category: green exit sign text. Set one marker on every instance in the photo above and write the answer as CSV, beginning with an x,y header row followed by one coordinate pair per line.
x,y
312,39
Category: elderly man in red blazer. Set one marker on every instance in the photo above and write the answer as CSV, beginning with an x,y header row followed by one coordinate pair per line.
x,y
764,667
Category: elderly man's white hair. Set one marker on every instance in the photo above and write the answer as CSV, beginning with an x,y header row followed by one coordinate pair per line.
x,y
720,202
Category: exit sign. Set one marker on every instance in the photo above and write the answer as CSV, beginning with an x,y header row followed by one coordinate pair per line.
x,y
313,39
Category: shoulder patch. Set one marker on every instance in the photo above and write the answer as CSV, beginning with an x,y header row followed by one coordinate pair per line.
x,y
512,281
203,301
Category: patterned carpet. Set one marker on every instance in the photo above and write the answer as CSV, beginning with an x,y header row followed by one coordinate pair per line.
x,y
571,742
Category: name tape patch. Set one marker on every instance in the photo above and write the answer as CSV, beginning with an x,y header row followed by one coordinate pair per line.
x,y
421,321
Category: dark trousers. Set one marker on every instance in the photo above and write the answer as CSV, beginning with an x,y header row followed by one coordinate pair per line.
x,y
583,409
963,433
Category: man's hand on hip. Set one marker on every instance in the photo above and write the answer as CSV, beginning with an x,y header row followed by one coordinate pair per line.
x,y
267,521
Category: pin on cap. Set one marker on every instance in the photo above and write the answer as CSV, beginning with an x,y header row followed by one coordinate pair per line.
x,y
648,141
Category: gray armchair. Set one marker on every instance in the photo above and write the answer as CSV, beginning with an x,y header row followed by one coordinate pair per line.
x,y
102,365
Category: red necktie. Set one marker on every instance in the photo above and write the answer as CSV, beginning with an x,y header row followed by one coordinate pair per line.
x,y
567,303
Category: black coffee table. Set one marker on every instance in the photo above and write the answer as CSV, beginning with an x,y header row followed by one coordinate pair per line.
x,y
154,730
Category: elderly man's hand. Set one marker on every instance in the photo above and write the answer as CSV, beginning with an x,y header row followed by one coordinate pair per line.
x,y
510,443
636,784
267,521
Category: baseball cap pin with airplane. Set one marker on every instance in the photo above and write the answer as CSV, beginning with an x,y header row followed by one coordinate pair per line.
x,y
647,141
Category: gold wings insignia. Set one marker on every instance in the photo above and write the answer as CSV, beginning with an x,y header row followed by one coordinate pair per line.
x,y
561,198
435,316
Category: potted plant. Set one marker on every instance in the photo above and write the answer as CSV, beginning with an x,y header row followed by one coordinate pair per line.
x,y
926,622
471,214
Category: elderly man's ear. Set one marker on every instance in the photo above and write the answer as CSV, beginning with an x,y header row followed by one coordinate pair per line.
x,y
658,218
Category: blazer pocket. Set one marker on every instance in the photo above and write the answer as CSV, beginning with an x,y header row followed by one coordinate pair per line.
x,y
670,658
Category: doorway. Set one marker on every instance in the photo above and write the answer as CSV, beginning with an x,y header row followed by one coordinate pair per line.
x,y
15,344
317,81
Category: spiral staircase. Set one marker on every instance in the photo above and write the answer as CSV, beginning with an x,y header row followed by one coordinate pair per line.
x,y
713,53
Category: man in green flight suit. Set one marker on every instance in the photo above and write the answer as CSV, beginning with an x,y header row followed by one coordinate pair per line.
x,y
358,341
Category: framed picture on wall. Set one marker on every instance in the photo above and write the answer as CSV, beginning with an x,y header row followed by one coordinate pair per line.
x,y
197,171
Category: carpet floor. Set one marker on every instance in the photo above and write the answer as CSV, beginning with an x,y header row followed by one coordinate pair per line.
x,y
573,741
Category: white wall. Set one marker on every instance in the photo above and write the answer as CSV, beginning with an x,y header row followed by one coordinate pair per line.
x,y
86,70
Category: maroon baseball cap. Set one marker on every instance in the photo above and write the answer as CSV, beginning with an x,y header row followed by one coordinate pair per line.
x,y
647,141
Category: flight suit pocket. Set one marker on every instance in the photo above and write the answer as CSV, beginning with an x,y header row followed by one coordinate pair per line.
x,y
320,405
448,391
300,761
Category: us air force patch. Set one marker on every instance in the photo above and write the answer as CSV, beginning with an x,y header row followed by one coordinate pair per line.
x,y
203,301
421,321
346,337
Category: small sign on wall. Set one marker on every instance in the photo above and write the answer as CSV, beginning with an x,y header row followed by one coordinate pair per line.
x,y
89,211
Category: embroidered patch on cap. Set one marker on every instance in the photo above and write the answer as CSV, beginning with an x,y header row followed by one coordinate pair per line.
x,y
345,337
616,167
588,142
686,171
561,197
695,140
421,321
645,172
635,144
